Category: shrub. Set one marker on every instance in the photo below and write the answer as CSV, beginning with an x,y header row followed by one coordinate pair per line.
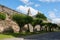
x,y
2,16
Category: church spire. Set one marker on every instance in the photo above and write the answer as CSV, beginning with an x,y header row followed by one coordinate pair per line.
x,y
29,12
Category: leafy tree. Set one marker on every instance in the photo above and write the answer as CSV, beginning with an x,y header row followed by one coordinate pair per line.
x,y
28,18
41,16
37,21
46,26
2,16
54,26
51,26
20,19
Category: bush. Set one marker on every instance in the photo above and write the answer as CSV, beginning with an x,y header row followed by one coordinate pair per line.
x,y
2,16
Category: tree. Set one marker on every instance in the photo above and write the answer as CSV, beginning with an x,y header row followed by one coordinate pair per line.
x,y
28,19
2,16
51,26
41,16
46,26
54,26
20,19
37,21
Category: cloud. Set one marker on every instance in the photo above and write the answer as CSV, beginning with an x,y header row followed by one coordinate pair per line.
x,y
24,9
49,0
56,20
37,5
27,2
24,1
53,16
55,10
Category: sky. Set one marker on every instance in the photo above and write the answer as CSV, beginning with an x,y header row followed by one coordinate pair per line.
x,y
50,8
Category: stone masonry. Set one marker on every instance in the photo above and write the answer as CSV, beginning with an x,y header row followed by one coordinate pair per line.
x,y
8,23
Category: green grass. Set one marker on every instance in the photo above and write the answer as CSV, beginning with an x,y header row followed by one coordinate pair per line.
x,y
12,35
2,36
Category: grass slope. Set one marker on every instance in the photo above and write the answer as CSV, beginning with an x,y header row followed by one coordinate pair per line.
x,y
2,36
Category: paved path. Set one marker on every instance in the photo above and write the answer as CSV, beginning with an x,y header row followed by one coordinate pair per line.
x,y
46,36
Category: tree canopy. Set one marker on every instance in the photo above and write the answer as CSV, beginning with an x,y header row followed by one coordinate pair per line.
x,y
41,16
19,18
22,19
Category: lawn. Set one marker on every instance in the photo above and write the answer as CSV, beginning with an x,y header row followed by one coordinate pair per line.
x,y
2,36
12,35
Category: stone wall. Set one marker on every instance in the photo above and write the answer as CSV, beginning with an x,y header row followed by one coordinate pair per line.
x,y
8,23
5,25
7,10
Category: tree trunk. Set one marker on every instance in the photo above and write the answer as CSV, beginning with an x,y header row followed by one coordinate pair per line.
x,y
46,28
50,29
28,28
20,29
40,28
33,29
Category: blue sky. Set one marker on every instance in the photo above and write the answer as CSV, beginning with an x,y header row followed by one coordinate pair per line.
x,y
50,8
